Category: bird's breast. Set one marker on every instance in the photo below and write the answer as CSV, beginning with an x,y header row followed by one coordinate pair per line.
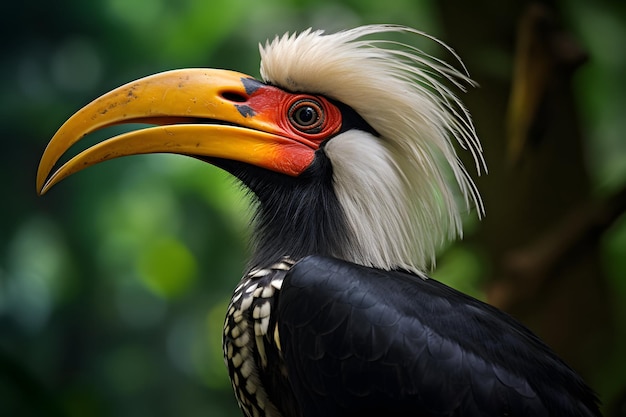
x,y
251,336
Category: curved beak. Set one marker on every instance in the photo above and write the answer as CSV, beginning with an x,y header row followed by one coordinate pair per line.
x,y
196,112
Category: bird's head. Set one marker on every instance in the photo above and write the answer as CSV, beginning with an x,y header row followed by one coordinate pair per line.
x,y
347,143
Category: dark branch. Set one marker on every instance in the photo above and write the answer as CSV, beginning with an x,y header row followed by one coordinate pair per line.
x,y
527,270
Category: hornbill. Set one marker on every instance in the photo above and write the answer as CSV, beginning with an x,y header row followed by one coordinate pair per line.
x,y
347,144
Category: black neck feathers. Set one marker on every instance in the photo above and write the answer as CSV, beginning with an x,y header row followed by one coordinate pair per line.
x,y
295,217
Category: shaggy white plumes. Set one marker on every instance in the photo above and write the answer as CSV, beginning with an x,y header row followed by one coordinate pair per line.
x,y
395,189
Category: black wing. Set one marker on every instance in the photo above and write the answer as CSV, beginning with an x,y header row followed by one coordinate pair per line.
x,y
362,341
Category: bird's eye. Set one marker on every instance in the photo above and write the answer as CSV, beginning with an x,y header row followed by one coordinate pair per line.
x,y
307,116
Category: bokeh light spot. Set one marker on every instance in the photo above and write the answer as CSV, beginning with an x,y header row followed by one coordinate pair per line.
x,y
167,267
76,65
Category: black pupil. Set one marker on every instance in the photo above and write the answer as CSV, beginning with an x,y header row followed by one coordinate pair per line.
x,y
306,115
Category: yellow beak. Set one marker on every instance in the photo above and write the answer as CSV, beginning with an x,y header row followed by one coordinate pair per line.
x,y
197,112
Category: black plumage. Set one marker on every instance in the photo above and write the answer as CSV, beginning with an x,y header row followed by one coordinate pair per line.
x,y
358,341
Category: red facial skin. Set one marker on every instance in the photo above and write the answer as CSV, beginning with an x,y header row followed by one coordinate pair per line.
x,y
275,110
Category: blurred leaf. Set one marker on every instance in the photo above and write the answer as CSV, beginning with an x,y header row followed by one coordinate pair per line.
x,y
167,267
38,273
462,269
214,372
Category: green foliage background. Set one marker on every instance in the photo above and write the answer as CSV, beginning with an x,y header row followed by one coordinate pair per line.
x,y
113,286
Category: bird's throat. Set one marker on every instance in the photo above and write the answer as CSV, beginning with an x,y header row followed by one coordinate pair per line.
x,y
295,217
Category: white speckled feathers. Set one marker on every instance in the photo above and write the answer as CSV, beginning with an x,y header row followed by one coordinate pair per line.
x,y
397,190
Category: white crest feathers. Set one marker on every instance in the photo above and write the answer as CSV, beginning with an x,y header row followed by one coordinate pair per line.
x,y
397,190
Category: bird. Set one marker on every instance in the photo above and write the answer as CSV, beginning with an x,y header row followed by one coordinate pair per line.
x,y
349,144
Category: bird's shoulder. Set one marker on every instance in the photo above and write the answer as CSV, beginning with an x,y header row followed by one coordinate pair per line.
x,y
354,336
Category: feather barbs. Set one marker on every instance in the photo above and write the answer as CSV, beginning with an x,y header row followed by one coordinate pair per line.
x,y
402,93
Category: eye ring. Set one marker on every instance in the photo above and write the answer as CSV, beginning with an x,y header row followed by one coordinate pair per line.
x,y
307,116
